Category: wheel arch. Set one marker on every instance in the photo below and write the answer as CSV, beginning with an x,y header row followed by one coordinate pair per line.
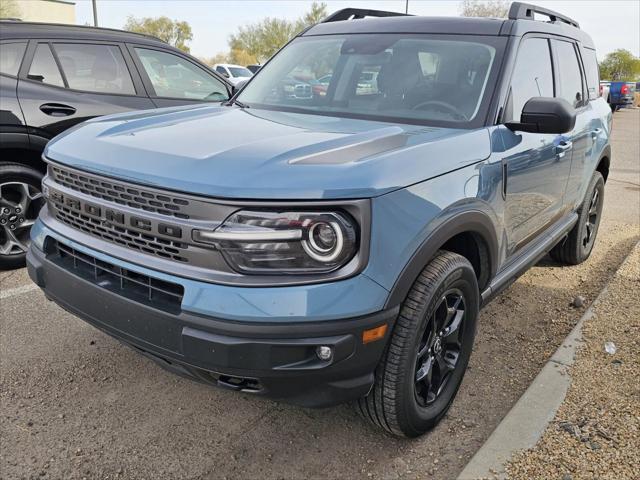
x,y
469,233
24,155
604,162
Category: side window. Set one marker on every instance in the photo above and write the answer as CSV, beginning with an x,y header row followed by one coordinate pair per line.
x,y
173,76
591,70
94,68
11,57
532,76
222,71
44,68
570,78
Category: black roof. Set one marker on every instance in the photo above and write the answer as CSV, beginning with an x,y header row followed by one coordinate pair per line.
x,y
449,25
410,24
28,30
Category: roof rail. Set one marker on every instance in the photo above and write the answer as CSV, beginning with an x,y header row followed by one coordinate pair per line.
x,y
86,27
526,11
356,13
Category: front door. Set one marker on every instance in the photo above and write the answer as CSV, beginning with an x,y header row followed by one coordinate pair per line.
x,y
535,166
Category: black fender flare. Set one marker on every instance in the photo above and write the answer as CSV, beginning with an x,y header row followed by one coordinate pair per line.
x,y
473,221
606,153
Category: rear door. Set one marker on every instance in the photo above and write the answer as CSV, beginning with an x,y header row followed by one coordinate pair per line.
x,y
535,166
173,79
571,85
65,82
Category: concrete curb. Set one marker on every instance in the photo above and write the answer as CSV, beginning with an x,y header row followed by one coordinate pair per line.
x,y
525,423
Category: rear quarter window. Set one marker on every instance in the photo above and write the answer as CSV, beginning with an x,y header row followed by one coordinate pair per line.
x,y
44,68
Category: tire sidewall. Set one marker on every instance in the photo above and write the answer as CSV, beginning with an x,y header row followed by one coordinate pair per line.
x,y
463,278
24,174
597,182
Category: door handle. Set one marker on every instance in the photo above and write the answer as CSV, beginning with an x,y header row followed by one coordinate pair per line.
x,y
595,133
563,148
57,109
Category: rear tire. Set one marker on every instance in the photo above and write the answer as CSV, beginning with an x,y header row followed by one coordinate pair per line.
x,y
20,203
577,246
423,364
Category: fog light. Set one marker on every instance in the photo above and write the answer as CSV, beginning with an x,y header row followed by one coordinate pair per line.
x,y
324,353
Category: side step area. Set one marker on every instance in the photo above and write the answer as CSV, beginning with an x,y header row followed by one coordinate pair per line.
x,y
528,257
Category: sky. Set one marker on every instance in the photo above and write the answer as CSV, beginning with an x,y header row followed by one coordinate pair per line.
x,y
612,24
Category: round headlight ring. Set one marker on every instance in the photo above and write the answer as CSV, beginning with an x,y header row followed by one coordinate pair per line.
x,y
319,253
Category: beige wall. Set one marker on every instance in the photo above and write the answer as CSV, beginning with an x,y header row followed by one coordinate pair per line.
x,y
51,11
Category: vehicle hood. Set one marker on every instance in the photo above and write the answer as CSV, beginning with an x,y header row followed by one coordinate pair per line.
x,y
230,152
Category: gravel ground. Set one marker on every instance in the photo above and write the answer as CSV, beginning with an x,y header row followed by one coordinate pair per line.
x,y
75,403
596,431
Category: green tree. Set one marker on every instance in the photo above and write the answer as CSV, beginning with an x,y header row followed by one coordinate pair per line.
x,y
9,9
261,40
620,65
490,8
220,57
315,15
174,32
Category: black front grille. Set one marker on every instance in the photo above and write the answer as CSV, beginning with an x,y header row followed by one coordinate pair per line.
x,y
120,193
141,288
142,242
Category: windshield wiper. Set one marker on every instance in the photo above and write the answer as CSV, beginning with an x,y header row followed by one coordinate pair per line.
x,y
240,104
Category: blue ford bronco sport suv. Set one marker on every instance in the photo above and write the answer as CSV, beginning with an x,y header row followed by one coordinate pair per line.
x,y
325,245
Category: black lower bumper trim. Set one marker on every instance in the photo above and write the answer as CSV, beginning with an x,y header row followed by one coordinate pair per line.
x,y
272,359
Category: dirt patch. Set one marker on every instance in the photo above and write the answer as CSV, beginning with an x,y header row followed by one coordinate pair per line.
x,y
596,431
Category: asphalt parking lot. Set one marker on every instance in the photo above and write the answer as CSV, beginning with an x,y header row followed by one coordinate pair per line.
x,y
75,403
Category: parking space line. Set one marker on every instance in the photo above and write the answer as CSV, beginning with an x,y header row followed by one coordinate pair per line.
x,y
12,292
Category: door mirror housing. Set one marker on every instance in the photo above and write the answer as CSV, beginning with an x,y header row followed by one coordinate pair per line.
x,y
241,84
545,115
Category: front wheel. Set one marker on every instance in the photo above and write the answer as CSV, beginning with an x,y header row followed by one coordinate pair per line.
x,y
20,201
428,352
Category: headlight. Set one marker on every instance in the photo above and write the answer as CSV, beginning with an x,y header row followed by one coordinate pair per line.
x,y
264,242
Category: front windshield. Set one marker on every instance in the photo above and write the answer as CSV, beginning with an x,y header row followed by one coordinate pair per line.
x,y
240,72
423,78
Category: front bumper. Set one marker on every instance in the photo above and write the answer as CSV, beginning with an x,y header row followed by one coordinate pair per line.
x,y
275,359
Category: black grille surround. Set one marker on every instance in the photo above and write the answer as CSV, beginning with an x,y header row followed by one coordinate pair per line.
x,y
141,288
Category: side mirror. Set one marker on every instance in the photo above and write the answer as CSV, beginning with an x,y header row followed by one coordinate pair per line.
x,y
241,84
545,115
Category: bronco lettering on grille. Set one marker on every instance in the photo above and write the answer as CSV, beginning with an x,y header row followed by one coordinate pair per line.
x,y
108,216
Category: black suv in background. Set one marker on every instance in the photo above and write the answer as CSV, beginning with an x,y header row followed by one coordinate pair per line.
x,y
53,77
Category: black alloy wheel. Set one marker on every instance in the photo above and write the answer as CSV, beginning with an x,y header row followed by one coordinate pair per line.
x,y
440,346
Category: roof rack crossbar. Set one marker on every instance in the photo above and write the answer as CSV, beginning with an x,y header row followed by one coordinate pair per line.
x,y
526,11
356,13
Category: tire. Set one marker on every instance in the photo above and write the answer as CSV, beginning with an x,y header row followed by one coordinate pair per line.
x,y
20,202
397,402
578,244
